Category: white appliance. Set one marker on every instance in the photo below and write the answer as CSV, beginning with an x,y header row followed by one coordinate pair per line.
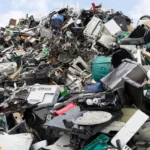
x,y
44,94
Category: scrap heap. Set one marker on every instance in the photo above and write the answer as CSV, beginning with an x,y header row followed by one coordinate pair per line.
x,y
75,80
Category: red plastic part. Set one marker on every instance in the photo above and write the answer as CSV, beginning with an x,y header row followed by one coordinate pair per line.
x,y
94,8
65,109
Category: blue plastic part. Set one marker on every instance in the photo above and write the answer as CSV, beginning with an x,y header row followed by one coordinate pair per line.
x,y
59,17
57,21
61,98
95,87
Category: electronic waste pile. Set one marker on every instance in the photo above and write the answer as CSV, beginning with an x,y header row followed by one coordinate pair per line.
x,y
75,81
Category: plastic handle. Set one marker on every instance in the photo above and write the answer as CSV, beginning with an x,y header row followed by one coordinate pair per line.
x,y
65,109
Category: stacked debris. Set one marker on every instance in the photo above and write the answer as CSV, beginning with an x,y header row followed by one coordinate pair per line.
x,y
75,80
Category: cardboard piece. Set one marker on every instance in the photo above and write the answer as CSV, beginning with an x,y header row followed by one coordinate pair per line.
x,y
12,22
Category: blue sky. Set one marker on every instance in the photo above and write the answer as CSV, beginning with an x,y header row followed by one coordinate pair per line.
x,y
18,8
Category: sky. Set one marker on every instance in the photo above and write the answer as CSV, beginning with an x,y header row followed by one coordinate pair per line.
x,y
19,8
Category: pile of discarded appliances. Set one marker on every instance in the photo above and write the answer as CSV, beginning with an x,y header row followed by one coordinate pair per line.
x,y
75,80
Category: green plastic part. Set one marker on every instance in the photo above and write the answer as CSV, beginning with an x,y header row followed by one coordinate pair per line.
x,y
124,35
16,58
147,44
9,32
147,87
3,124
24,70
65,92
100,143
45,52
101,67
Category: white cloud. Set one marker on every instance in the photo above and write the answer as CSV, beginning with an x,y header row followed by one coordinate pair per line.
x,y
142,8
4,19
18,3
39,6
19,8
